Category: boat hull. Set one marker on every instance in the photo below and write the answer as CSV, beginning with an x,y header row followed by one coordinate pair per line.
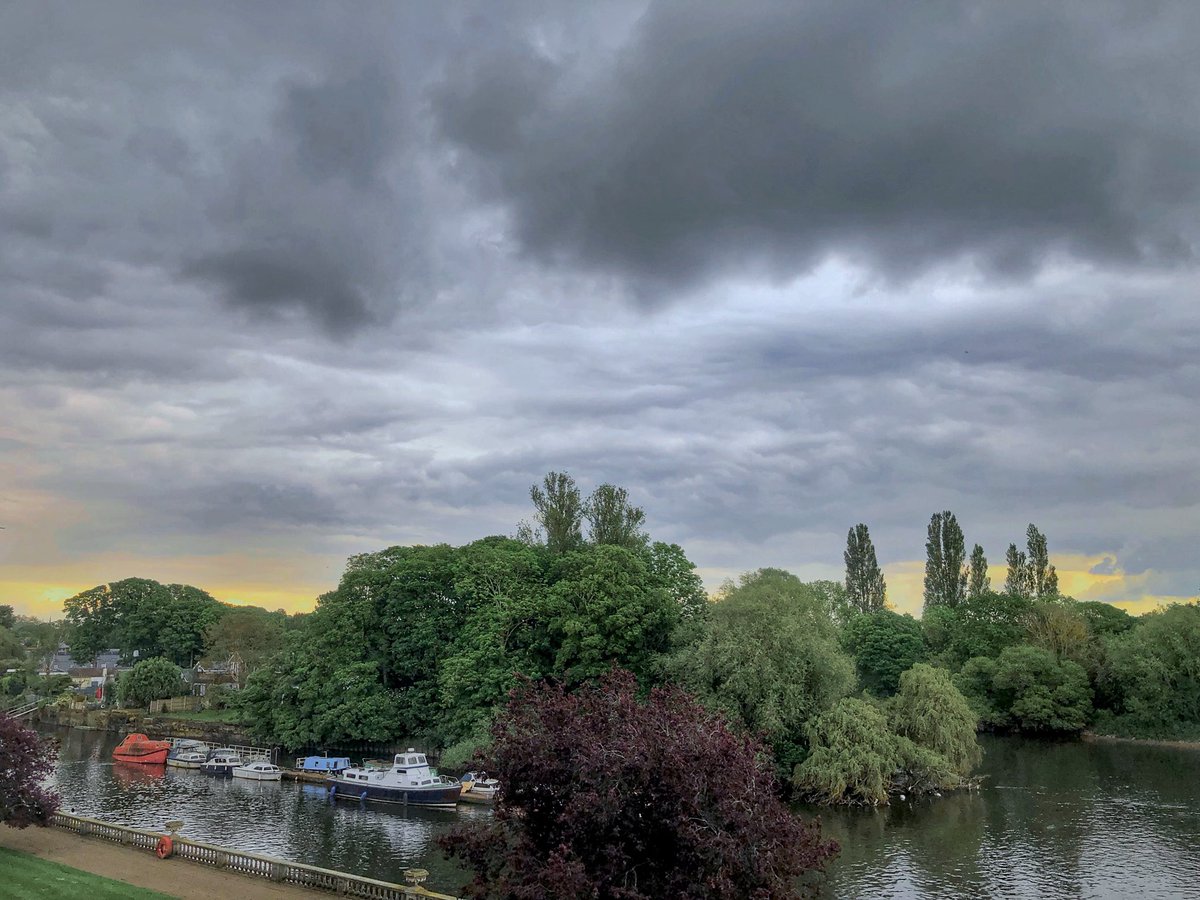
x,y
220,771
153,758
184,763
257,776
439,796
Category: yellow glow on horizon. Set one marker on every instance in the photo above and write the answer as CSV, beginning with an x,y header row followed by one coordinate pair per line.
x,y
906,583
272,582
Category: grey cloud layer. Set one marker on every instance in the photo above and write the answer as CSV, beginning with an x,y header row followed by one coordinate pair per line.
x,y
759,137
278,274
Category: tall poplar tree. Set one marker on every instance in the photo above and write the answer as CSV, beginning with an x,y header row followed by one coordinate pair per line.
x,y
559,511
945,562
865,588
1017,581
979,582
1042,579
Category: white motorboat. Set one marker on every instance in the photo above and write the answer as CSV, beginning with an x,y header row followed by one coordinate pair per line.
x,y
407,781
259,770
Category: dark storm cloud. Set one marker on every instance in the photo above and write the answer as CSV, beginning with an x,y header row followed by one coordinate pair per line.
x,y
755,138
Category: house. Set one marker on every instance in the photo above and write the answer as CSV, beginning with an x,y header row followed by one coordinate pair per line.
x,y
208,673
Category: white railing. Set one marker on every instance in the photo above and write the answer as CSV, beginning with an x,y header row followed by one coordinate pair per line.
x,y
255,864
21,710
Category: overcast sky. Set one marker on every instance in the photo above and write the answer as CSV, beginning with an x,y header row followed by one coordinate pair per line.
x,y
280,283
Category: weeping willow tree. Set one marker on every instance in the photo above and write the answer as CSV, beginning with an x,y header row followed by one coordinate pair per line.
x,y
922,741
853,755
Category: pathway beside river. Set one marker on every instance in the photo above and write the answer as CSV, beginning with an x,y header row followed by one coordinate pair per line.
x,y
176,877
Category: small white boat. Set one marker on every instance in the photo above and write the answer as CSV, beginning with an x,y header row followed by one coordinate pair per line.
x,y
187,759
258,771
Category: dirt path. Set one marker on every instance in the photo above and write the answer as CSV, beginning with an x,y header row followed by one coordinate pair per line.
x,y
177,877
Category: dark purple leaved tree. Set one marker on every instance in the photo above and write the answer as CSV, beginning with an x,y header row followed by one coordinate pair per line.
x,y
610,798
25,759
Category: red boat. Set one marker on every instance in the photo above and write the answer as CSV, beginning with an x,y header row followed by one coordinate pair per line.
x,y
137,748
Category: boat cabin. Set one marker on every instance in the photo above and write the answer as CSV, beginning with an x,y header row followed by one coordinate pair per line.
x,y
409,769
322,763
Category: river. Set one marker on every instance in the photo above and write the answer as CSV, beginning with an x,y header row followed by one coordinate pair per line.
x,y
1052,820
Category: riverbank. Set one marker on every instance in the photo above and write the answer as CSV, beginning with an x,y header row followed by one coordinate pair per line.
x,y
140,868
122,721
1145,742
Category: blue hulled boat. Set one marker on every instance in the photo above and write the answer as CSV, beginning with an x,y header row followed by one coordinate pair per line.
x,y
407,781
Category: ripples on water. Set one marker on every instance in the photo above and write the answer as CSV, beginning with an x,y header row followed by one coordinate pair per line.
x,y
1053,820
284,819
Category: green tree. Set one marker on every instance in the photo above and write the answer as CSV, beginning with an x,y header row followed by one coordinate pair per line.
x,y
865,586
1042,580
1016,584
150,679
1029,690
7,617
605,608
931,712
1060,627
1152,674
884,644
141,617
1105,619
945,562
981,626
251,632
979,582
671,568
854,755
924,742
769,658
559,511
612,519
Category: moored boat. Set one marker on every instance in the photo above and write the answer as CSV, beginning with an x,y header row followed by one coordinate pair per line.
x,y
322,765
137,748
258,770
478,788
186,755
221,764
407,781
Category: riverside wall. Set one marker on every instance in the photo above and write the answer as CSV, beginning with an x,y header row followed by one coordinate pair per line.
x,y
123,721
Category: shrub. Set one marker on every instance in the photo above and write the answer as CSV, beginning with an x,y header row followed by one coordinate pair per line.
x,y
604,796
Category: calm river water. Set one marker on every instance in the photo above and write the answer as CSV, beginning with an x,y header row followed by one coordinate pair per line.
x,y
1070,820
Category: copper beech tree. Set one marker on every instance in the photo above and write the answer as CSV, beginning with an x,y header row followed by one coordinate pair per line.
x,y
608,797
25,759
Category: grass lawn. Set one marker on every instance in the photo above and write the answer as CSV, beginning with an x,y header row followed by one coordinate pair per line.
x,y
25,877
229,716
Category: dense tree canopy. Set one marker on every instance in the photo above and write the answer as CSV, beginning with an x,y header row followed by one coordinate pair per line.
x,y
884,644
861,752
150,679
142,616
1027,689
1153,675
424,642
559,511
608,797
770,659
612,519
251,632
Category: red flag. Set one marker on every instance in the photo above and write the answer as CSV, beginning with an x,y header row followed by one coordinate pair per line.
x,y
100,691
